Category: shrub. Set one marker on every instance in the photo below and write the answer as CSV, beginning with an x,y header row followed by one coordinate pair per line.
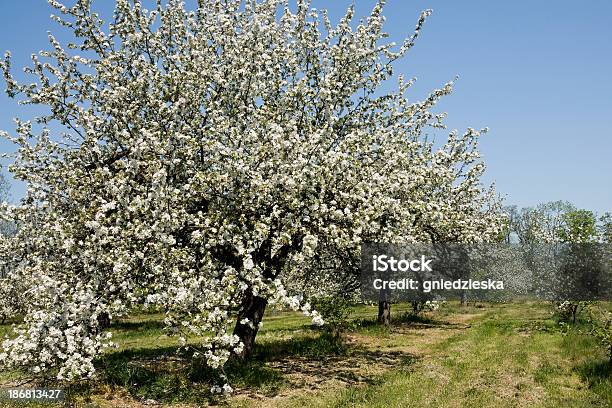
x,y
567,311
419,306
336,311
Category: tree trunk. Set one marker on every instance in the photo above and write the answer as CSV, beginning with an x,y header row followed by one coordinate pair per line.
x,y
384,313
252,308
463,298
104,321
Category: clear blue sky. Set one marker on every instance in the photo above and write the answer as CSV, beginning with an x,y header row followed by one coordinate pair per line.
x,y
537,73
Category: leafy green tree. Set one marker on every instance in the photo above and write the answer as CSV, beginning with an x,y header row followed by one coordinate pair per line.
x,y
578,226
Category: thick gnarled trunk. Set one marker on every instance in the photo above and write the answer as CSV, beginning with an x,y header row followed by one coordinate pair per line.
x,y
252,308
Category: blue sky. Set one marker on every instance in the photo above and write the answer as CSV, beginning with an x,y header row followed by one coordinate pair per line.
x,y
537,73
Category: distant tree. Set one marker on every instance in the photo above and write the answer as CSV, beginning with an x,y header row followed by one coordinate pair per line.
x,y
580,269
11,296
535,231
605,228
4,187
532,225
7,228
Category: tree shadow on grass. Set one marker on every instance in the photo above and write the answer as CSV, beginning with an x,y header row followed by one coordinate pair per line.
x,y
409,320
309,362
138,326
313,346
597,374
594,372
159,374
422,321
171,375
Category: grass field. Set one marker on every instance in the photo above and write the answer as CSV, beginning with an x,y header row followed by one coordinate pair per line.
x,y
507,355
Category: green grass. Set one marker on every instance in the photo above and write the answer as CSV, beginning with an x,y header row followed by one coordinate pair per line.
x,y
505,355
499,361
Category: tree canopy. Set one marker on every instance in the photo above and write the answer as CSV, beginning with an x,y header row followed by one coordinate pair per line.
x,y
209,156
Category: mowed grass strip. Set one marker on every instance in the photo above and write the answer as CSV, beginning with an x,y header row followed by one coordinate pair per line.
x,y
509,357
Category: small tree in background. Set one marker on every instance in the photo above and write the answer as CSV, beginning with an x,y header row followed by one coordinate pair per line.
x,y
578,231
336,311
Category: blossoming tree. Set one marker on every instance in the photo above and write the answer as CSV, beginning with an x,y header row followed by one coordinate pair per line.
x,y
208,156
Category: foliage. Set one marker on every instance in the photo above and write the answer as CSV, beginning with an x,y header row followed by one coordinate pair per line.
x,y
12,296
578,226
567,311
335,311
7,228
420,306
542,223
